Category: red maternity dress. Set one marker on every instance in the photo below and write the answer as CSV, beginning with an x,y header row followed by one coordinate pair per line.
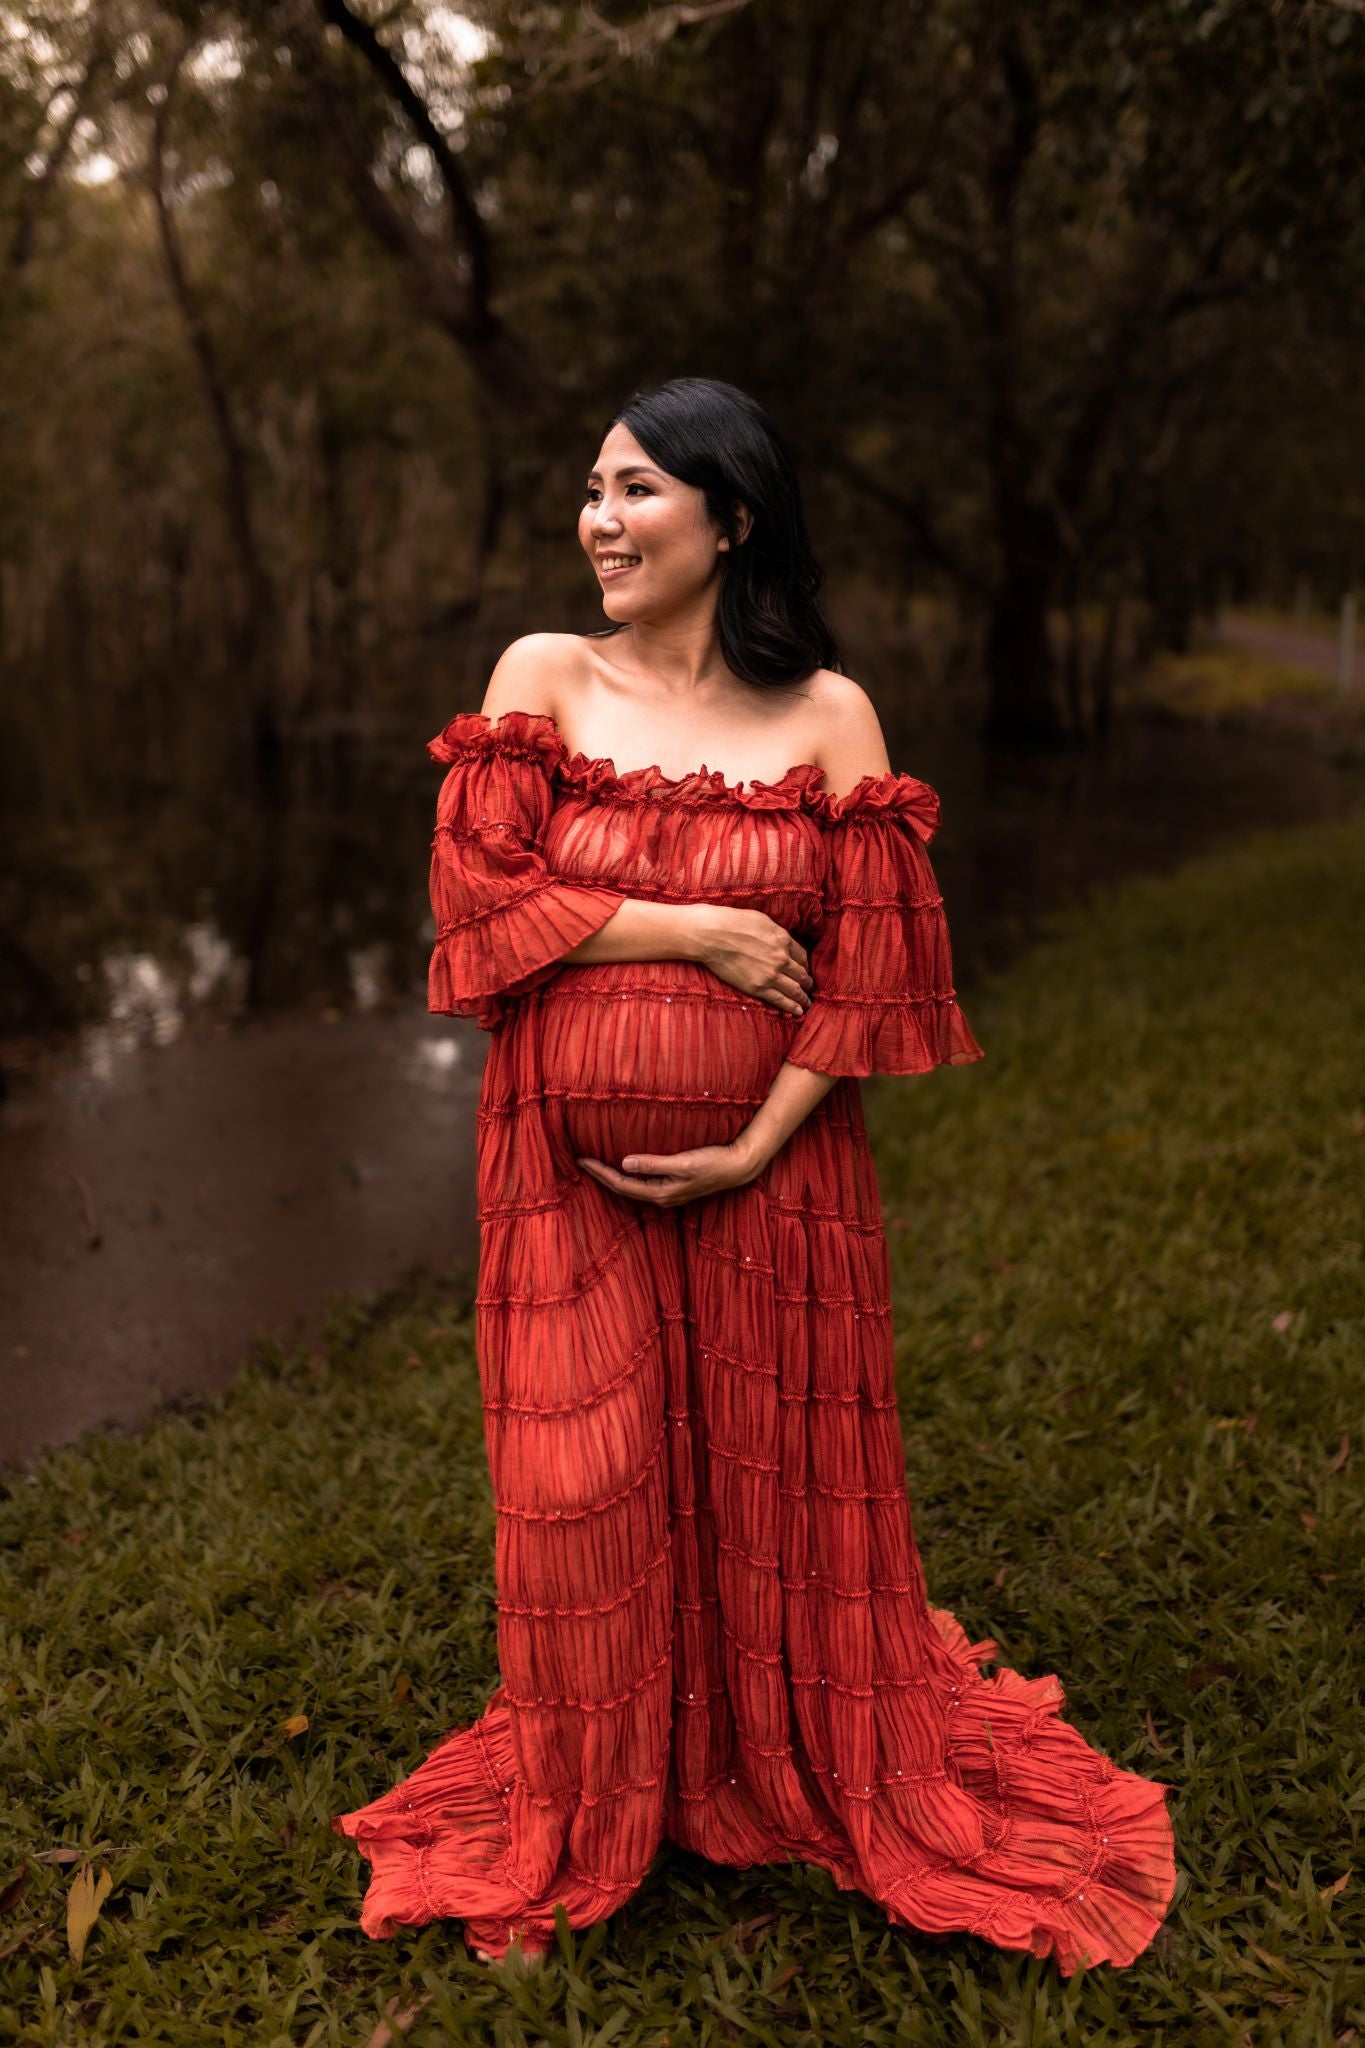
x,y
712,1618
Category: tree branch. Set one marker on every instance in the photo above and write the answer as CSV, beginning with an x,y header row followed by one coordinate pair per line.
x,y
390,74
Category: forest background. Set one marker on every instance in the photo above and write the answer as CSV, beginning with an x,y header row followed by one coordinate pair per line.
x,y
313,311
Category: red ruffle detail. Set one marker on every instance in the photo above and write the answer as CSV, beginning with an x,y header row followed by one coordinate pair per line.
x,y
888,794
529,735
1076,1859
883,965
534,735
704,786
503,920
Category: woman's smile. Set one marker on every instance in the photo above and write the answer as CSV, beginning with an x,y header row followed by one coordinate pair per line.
x,y
610,566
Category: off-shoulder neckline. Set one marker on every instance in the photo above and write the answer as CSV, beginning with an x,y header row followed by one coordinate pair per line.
x,y
538,734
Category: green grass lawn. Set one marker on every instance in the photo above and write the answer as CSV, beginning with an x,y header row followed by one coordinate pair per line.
x,y
1130,1295
1217,682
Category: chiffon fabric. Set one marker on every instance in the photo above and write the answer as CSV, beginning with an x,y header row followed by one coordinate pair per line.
x,y
712,1619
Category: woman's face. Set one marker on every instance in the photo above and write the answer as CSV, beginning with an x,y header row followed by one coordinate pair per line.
x,y
650,539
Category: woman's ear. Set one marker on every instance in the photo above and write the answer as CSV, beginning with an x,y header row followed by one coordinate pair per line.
x,y
743,521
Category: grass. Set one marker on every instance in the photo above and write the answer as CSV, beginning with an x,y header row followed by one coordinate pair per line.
x,y
1127,1251
1217,681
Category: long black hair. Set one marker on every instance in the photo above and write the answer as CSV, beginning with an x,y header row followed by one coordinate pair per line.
x,y
715,437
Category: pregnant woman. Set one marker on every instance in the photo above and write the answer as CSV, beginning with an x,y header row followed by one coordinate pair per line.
x,y
713,1625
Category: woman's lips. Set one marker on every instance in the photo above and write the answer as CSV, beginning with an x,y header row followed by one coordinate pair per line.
x,y
610,575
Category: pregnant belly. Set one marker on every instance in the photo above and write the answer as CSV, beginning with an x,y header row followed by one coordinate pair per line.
x,y
655,1056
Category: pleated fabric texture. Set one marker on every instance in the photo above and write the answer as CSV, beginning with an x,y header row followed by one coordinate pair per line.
x,y
713,1623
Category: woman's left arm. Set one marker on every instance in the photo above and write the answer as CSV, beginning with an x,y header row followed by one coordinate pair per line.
x,y
678,1177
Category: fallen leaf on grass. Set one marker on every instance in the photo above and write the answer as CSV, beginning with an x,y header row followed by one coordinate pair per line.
x,y
977,1341
297,1724
14,1890
1202,1674
384,2035
1337,1886
87,1893
402,1686
999,1578
1309,1520
1153,1737
1343,1452
1282,1321
1276,1963
746,1932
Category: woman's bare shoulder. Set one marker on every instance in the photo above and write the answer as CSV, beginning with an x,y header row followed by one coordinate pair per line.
x,y
850,742
534,673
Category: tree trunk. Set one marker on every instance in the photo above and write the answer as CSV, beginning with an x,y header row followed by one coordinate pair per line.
x,y
1021,705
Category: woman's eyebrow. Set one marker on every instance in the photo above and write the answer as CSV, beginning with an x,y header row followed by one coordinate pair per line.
x,y
631,469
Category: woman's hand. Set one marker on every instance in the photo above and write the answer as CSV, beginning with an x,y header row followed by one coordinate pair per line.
x,y
669,1179
755,954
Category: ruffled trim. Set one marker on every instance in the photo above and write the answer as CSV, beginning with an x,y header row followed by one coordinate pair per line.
x,y
600,778
482,962
1010,1748
883,1034
1078,1861
534,735
887,794
439,1843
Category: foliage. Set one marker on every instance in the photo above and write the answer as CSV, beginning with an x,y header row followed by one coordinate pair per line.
x,y
1130,1297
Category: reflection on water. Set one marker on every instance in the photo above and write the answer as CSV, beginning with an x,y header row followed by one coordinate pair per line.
x,y
149,1000
206,897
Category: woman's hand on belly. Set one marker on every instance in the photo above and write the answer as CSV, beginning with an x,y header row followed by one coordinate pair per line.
x,y
755,954
667,1180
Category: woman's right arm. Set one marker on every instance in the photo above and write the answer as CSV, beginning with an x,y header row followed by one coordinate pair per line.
x,y
746,948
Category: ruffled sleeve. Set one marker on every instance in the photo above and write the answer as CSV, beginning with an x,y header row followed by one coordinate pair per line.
x,y
884,1001
503,920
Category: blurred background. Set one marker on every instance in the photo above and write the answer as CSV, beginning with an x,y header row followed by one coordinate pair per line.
x,y
312,315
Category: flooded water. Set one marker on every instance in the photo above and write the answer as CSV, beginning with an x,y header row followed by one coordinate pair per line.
x,y
224,1100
